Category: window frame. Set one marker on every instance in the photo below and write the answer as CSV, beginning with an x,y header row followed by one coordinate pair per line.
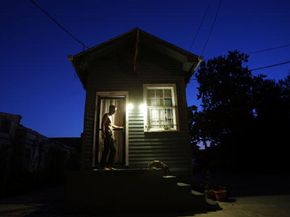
x,y
174,106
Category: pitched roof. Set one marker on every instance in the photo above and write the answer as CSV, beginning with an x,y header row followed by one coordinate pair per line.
x,y
190,61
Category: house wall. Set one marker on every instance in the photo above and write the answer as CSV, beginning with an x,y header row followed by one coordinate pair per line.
x,y
114,72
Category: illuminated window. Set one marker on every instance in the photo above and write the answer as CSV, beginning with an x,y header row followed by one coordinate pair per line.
x,y
161,112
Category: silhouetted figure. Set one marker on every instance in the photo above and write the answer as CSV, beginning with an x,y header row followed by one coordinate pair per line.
x,y
109,141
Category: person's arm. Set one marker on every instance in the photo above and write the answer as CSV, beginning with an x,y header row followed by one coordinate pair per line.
x,y
117,127
104,120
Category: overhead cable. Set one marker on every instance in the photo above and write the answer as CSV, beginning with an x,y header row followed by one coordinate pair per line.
x,y
269,49
212,26
58,24
270,66
199,27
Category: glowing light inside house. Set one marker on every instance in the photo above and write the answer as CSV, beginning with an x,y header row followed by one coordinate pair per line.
x,y
142,108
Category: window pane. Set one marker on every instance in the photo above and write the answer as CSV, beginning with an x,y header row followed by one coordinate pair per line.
x,y
169,118
168,102
159,93
160,111
167,93
150,93
154,118
151,102
155,102
168,112
160,118
159,102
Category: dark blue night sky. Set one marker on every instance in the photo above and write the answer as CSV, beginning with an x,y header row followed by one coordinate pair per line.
x,y
38,82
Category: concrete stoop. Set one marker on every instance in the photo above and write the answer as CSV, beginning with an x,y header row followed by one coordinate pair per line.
x,y
128,191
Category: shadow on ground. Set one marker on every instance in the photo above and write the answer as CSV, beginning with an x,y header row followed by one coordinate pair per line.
x,y
49,202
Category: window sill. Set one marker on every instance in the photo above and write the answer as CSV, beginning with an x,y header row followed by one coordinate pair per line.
x,y
160,131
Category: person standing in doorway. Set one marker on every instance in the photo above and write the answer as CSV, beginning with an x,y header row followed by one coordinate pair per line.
x,y
109,152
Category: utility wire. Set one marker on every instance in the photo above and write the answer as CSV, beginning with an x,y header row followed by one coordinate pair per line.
x,y
199,27
212,26
269,49
58,24
270,66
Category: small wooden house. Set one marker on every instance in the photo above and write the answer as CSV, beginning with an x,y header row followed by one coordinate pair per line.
x,y
146,78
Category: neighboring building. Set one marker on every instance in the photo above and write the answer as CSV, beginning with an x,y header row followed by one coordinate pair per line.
x,y
8,127
146,78
27,156
73,145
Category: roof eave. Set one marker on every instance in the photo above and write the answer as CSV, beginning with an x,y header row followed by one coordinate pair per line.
x,y
77,70
193,68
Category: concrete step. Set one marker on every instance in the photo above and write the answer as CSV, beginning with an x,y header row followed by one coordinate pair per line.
x,y
128,190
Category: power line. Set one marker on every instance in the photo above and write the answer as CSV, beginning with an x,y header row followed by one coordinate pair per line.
x,y
212,26
199,27
58,24
269,49
270,66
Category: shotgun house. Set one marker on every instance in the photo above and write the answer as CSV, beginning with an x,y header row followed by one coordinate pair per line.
x,y
145,77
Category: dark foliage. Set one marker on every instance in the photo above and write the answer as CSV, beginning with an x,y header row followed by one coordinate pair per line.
x,y
244,120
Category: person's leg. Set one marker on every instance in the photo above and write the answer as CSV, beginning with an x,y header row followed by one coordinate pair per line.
x,y
105,152
112,152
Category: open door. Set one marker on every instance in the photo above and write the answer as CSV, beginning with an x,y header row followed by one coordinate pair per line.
x,y
119,119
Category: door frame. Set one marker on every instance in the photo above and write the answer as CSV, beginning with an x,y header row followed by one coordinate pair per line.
x,y
112,94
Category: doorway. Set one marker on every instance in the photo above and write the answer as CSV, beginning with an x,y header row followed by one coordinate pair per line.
x,y
119,119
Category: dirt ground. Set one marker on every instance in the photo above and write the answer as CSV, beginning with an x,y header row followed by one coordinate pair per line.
x,y
250,197
259,206
255,206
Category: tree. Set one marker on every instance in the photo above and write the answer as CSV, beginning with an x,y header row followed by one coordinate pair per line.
x,y
272,122
225,91
243,116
